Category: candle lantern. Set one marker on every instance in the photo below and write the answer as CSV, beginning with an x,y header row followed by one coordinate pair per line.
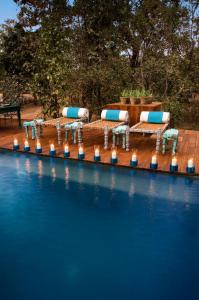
x,y
15,144
66,150
97,156
26,146
81,154
154,162
174,165
134,160
190,166
114,158
38,148
52,150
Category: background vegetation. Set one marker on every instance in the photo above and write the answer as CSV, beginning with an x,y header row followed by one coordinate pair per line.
x,y
86,52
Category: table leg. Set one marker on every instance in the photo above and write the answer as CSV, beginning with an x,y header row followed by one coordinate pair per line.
x,y
79,135
163,145
34,132
123,140
19,117
74,136
174,148
26,131
113,140
127,138
106,130
58,126
158,141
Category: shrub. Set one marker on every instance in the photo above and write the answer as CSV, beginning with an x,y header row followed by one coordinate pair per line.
x,y
176,109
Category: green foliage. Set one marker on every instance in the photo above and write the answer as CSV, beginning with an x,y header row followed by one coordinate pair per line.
x,y
49,79
177,110
89,51
126,93
12,88
16,57
140,93
135,93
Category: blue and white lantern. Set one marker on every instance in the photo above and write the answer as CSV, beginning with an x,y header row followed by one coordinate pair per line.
x,y
15,144
26,146
81,154
52,151
154,162
174,165
97,154
134,160
190,166
114,158
66,151
38,148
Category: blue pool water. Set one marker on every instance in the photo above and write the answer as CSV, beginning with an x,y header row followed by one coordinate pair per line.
x,y
71,230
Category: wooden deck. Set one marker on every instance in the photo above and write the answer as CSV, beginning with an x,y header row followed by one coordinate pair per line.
x,y
188,146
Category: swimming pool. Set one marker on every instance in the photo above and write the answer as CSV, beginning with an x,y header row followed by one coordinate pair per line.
x,y
72,230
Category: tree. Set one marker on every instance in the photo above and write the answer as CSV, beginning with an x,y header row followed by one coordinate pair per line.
x,y
91,50
16,57
50,58
99,70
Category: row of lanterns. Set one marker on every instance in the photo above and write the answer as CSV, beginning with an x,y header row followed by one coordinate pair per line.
x,y
114,159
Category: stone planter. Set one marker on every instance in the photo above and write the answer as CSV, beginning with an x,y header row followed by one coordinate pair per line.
x,y
146,100
134,100
124,100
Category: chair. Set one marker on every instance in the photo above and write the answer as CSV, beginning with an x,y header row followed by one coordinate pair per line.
x,y
152,122
110,119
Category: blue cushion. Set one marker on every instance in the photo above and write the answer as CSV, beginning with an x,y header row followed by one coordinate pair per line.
x,y
155,117
112,114
72,112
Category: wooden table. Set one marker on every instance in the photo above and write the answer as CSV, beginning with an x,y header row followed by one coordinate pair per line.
x,y
135,110
4,109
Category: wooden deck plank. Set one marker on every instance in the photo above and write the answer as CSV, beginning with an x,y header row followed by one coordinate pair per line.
x,y
188,146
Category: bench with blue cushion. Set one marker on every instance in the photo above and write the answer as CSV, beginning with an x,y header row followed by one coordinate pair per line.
x,y
152,122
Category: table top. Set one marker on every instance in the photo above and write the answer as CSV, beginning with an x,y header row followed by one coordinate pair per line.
x,y
9,107
153,104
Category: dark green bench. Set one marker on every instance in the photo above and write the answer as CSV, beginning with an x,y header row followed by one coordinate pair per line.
x,y
9,108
